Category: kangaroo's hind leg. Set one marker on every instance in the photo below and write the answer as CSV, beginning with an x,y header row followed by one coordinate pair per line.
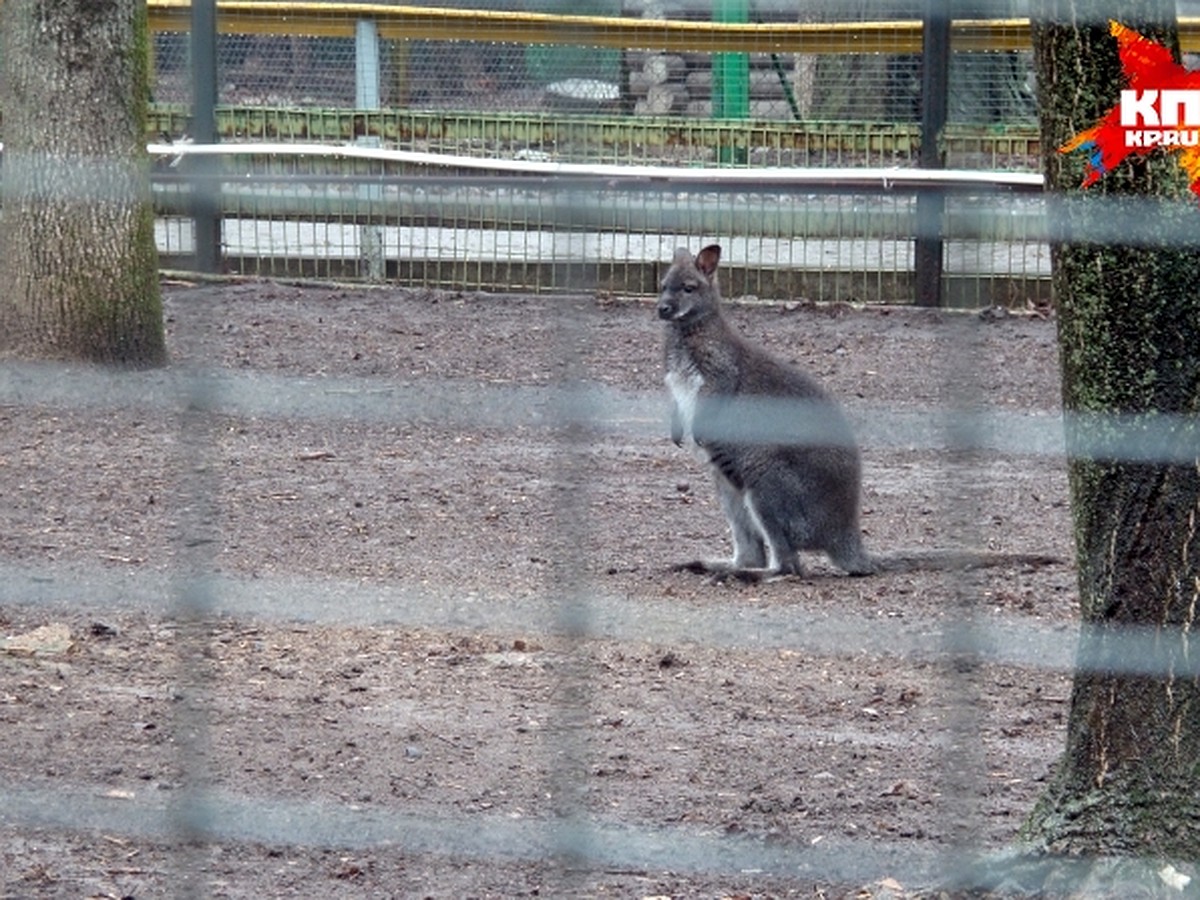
x,y
749,562
763,545
776,523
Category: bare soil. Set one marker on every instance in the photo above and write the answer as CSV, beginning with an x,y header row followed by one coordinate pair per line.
x,y
462,665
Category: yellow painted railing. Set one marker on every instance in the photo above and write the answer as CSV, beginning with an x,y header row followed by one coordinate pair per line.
x,y
428,23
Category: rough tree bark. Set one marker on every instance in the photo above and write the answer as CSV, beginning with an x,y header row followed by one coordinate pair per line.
x,y
78,265
1129,339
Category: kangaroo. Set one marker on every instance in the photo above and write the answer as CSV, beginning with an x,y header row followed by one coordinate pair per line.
x,y
787,467
782,493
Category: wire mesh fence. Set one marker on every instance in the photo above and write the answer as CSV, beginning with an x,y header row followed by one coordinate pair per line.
x,y
473,503
744,85
869,81
366,593
540,225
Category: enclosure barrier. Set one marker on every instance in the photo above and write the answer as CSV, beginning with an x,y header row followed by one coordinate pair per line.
x,y
565,134
1012,263
566,417
1013,269
449,220
683,143
790,231
589,841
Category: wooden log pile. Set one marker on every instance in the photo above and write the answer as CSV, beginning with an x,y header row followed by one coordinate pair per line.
x,y
658,83
664,84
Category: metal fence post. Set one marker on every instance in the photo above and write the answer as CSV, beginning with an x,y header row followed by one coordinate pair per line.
x,y
931,204
731,77
206,219
366,96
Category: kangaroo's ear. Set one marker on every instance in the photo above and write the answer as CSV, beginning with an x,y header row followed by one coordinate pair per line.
x,y
707,259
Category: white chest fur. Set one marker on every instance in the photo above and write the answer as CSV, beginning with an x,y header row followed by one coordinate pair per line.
x,y
685,391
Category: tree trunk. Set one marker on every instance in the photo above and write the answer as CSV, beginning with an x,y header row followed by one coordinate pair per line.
x,y
78,265
1129,339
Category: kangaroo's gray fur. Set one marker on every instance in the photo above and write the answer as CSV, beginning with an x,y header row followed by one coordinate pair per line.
x,y
736,404
786,465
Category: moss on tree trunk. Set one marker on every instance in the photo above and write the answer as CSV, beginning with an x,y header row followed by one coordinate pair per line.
x,y
78,265
1129,339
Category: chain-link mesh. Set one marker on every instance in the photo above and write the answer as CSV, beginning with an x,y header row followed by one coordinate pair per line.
x,y
870,83
240,433
262,69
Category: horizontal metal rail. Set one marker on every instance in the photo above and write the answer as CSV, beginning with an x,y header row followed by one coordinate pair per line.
x,y
503,26
498,204
866,180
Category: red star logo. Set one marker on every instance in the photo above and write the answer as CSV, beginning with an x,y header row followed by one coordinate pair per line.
x,y
1150,71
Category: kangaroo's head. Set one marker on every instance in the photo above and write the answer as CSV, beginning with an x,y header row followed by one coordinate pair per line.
x,y
689,289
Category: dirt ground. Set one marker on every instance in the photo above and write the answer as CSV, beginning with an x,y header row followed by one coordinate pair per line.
x,y
461,665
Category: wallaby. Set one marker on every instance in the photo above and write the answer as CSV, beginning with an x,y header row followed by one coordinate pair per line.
x,y
786,465
780,498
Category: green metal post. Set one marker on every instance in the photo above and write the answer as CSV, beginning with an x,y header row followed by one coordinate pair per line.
x,y
731,77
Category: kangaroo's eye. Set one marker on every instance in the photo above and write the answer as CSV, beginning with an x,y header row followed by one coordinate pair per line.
x,y
689,286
